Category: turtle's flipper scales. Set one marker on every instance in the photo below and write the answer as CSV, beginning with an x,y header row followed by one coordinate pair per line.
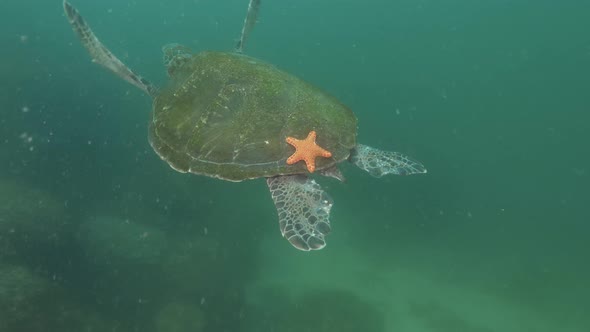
x,y
303,208
101,54
379,163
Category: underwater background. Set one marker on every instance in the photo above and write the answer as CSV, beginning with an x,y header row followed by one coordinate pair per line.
x,y
493,97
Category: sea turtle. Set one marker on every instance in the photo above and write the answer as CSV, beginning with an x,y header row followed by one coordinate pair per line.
x,y
233,117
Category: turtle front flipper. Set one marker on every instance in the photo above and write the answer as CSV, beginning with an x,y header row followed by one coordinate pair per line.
x,y
249,23
303,208
379,163
101,54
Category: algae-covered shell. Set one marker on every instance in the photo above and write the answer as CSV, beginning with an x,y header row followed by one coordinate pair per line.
x,y
227,115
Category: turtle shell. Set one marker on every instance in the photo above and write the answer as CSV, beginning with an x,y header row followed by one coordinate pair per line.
x,y
227,115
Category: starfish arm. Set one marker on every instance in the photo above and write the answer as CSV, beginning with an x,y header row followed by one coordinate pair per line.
x,y
310,163
323,152
293,159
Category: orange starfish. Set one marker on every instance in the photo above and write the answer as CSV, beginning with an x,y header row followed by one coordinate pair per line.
x,y
307,150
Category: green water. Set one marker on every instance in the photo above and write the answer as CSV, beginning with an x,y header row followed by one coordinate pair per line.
x,y
98,234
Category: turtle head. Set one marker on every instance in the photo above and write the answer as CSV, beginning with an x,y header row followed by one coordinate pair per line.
x,y
175,55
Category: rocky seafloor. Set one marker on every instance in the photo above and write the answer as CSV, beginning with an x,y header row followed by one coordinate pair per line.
x,y
62,270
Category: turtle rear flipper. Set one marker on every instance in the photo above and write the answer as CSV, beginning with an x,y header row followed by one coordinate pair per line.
x,y
101,54
303,208
379,163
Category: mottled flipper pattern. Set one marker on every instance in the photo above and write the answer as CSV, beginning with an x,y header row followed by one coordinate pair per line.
x,y
303,208
249,23
101,55
379,163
